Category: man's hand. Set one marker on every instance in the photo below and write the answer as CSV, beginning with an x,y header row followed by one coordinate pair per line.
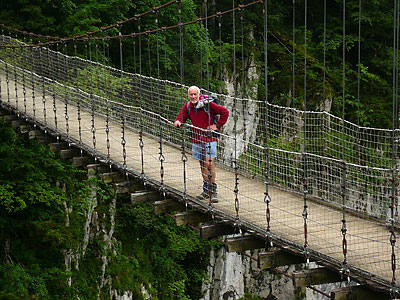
x,y
177,123
213,127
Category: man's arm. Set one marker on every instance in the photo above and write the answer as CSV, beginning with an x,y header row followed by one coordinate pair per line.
x,y
182,117
222,112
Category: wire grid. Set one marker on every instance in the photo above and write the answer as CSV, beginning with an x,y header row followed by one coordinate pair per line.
x,y
313,150
323,132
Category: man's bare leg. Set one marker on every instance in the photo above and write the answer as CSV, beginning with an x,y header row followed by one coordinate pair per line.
x,y
209,185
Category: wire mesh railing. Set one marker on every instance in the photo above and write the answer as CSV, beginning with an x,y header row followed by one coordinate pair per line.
x,y
368,151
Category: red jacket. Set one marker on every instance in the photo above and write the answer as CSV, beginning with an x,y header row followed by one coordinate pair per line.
x,y
200,119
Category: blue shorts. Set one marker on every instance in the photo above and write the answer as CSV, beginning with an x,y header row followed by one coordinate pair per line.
x,y
201,151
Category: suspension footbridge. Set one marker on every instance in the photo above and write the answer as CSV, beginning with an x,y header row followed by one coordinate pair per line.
x,y
289,182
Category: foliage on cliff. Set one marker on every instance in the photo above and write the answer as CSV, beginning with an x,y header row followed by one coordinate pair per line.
x,y
37,234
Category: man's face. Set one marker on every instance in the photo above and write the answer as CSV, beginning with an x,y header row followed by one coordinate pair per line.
x,y
193,95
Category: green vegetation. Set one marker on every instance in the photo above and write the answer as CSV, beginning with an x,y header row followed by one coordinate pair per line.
x,y
372,107
147,251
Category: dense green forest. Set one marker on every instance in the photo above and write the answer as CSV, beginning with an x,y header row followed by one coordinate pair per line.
x,y
44,204
369,65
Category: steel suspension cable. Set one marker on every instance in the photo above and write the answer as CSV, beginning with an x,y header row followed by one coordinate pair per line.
x,y
358,104
33,83
209,134
345,268
396,202
22,50
220,51
123,117
236,189
207,53
134,70
243,86
325,125
141,143
7,77
78,102
200,21
106,87
92,104
267,197
43,89
305,178
161,156
394,290
66,92
294,51
181,71
53,92
15,74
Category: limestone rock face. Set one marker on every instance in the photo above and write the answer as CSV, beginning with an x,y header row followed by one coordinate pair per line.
x,y
231,274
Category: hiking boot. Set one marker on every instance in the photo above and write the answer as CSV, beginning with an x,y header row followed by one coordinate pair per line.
x,y
204,193
214,198
203,196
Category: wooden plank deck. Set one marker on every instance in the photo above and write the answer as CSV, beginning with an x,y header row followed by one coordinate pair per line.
x,y
369,248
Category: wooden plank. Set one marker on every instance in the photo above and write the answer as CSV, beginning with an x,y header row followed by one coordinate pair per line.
x,y
97,169
315,276
144,196
81,161
24,128
359,292
36,133
243,243
277,258
17,123
212,230
190,218
69,153
111,177
125,187
57,146
166,206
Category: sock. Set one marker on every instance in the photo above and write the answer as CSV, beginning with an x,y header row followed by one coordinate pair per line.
x,y
214,188
206,185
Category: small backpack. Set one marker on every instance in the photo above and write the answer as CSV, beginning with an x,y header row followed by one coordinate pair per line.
x,y
203,104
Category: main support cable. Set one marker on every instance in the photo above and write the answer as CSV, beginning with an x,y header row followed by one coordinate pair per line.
x,y
85,36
